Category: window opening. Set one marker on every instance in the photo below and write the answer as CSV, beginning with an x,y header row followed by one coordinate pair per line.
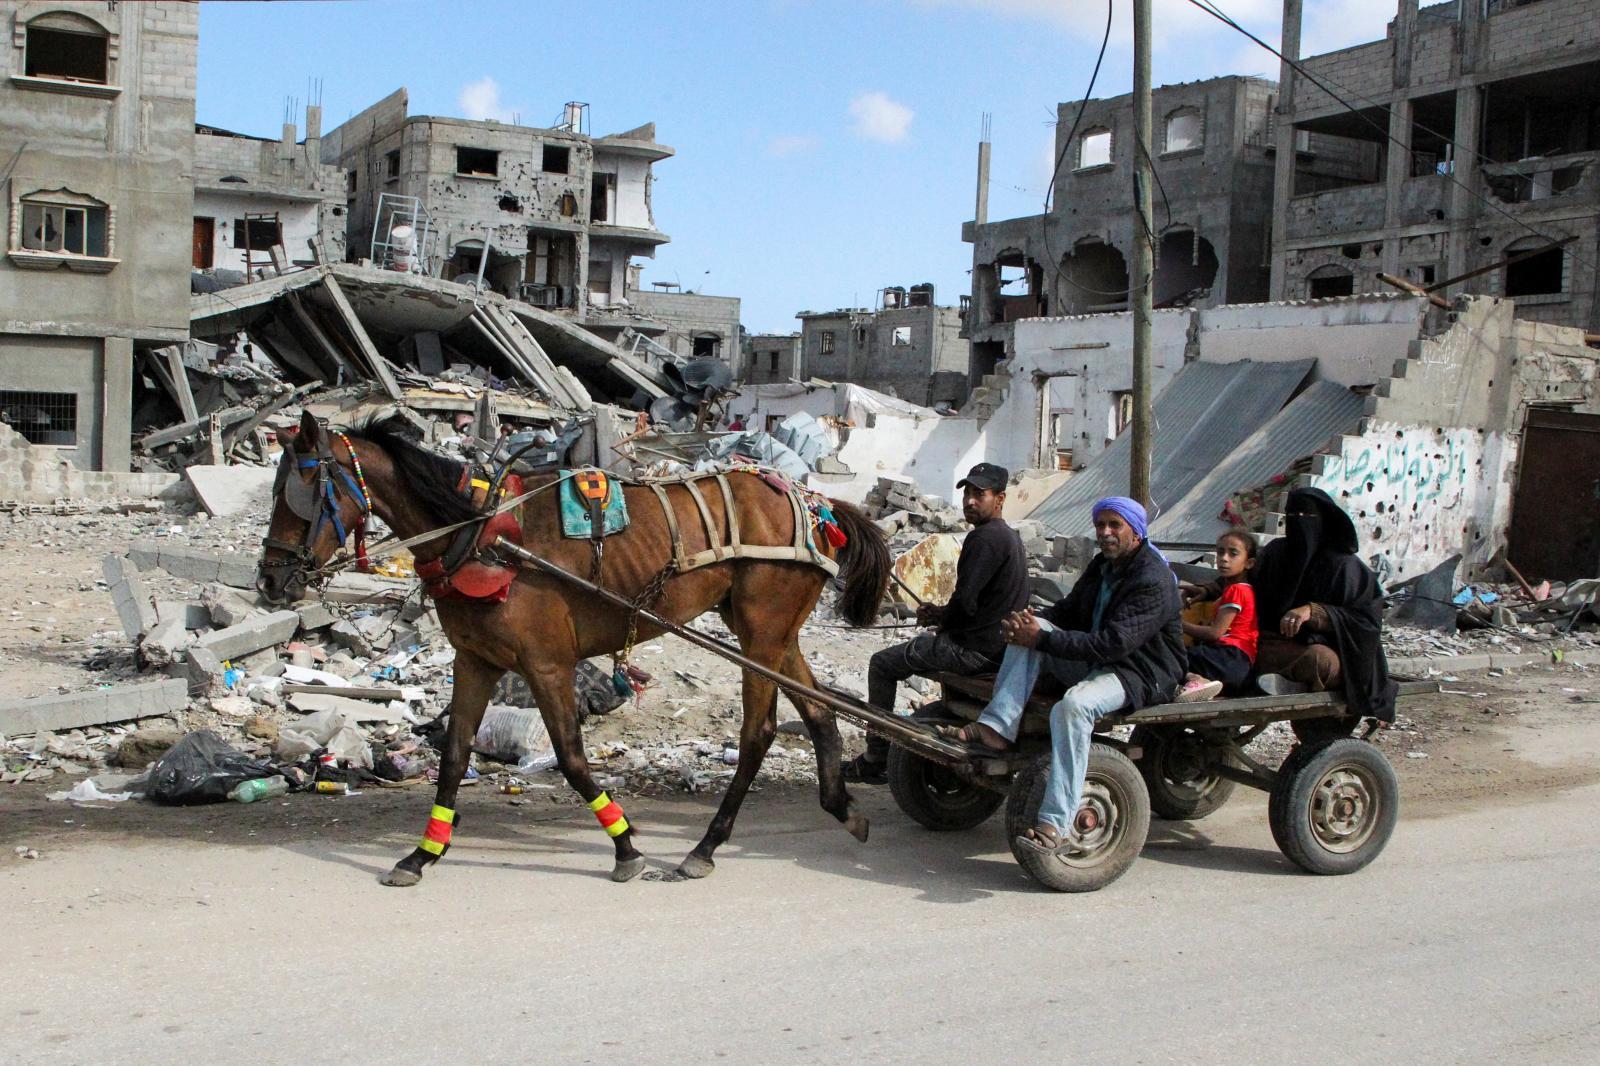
x,y
557,159
41,417
1537,275
827,342
704,346
257,234
65,55
391,164
477,162
901,337
1327,282
1094,149
600,197
1183,131
772,362
69,228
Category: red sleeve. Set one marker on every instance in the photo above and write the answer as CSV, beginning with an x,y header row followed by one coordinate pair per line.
x,y
1240,595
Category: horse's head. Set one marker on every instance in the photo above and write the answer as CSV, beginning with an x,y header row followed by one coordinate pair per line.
x,y
316,504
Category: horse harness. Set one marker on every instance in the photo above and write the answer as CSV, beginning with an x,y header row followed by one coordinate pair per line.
x,y
317,500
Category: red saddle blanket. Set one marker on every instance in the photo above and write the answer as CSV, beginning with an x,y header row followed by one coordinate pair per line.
x,y
473,579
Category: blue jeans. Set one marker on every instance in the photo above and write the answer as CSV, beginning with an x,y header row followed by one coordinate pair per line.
x,y
1091,694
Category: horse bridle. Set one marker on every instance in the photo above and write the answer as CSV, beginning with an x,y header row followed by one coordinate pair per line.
x,y
316,501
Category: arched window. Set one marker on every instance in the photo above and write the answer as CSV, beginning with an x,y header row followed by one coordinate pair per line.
x,y
63,46
1094,148
1185,130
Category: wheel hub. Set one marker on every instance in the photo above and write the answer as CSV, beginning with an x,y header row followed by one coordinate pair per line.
x,y
1343,809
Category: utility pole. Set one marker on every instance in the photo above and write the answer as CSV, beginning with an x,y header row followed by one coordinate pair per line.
x,y
1143,258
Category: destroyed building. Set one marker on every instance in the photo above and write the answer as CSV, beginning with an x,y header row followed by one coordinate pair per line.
x,y
697,325
1212,146
549,216
262,205
771,357
97,120
908,347
1464,147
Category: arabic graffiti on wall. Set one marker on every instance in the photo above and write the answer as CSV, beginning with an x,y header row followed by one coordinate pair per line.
x,y
1413,493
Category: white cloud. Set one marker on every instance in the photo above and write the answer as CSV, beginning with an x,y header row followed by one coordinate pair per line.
x,y
789,144
879,118
481,100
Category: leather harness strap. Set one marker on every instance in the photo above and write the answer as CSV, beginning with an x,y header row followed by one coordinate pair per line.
x,y
803,549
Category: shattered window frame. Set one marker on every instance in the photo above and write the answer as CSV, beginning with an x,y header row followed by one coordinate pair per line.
x,y
825,344
80,229
49,39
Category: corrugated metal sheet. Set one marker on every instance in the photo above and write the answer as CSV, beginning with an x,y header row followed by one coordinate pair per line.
x,y
1323,411
1202,416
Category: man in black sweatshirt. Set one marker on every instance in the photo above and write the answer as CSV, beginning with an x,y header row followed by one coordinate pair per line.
x,y
991,584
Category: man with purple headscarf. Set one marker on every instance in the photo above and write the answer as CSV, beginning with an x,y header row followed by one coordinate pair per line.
x,y
1115,641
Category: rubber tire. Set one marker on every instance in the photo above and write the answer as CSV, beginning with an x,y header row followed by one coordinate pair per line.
x,y
1165,801
1109,769
934,797
1288,810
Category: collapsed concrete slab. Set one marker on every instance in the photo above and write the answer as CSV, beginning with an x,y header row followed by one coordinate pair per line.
x,y
135,609
74,710
236,571
229,490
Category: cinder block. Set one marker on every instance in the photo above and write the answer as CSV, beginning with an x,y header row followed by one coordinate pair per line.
x,y
203,670
166,641
251,635
194,615
75,710
133,604
314,616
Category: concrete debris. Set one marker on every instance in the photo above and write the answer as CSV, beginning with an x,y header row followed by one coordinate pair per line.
x,y
134,606
124,703
238,571
228,490
251,635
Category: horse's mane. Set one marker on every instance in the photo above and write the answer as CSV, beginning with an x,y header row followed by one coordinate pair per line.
x,y
431,477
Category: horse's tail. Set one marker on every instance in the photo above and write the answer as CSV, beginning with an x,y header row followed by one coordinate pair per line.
x,y
865,564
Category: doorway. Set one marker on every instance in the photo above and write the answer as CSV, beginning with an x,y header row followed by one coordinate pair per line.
x,y
1555,517
205,240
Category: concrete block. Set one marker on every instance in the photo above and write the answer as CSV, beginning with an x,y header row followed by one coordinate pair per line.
x,y
230,490
252,635
203,670
366,588
194,615
314,616
227,606
165,642
44,714
134,606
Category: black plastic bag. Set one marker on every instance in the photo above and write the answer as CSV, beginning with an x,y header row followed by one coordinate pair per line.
x,y
201,768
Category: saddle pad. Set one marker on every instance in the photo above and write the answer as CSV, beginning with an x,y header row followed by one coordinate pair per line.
x,y
575,491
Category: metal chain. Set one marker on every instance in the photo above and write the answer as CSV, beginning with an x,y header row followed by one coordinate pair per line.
x,y
646,600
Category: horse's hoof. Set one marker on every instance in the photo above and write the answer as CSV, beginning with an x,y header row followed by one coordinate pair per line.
x,y
857,826
695,868
627,869
399,877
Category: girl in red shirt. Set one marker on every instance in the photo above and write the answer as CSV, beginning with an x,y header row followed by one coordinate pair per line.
x,y
1223,646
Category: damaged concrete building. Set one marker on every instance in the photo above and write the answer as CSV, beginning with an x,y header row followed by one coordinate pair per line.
x,y
908,347
1461,152
1212,146
261,205
552,217
97,123
770,358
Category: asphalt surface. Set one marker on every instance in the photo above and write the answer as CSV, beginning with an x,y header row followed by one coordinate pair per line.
x,y
1472,939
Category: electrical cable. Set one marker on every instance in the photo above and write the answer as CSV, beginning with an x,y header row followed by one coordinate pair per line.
x,y
1217,13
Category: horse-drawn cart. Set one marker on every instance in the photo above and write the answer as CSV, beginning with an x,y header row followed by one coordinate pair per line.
x,y
1334,799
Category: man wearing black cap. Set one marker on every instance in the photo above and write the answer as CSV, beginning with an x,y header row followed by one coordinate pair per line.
x,y
991,583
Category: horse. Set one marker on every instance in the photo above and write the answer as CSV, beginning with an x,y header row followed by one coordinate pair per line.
x,y
329,481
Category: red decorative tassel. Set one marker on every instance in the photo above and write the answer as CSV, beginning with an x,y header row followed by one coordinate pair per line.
x,y
834,534
363,564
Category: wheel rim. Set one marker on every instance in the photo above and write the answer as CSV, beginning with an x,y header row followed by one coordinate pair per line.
x,y
946,789
1343,809
1100,825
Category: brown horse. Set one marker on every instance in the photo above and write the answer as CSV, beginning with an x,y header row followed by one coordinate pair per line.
x,y
546,625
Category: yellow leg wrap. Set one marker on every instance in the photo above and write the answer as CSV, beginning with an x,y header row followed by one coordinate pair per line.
x,y
599,801
437,836
617,828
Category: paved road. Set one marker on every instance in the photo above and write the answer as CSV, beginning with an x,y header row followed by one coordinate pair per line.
x,y
1471,940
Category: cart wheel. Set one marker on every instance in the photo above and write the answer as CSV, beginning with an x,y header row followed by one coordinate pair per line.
x,y
937,797
1334,806
1173,764
1113,821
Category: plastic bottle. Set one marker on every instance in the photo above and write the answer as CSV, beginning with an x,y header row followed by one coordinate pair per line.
x,y
259,788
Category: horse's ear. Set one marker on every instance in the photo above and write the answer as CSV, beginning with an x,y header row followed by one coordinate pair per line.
x,y
309,429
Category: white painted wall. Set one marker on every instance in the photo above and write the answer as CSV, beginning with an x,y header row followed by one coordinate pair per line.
x,y
1355,339
299,222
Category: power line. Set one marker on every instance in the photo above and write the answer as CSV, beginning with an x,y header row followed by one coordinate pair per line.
x,y
1217,13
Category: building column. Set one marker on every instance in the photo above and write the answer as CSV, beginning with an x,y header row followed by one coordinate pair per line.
x,y
1394,181
1283,163
1465,191
116,404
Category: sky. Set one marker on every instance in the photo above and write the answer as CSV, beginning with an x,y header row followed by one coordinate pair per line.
x,y
825,149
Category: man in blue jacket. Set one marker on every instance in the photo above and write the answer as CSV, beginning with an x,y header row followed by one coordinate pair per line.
x,y
1116,641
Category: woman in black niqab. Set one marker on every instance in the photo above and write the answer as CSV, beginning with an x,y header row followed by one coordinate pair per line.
x,y
1316,564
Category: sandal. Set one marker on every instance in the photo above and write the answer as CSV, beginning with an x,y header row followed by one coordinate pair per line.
x,y
973,735
1046,839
